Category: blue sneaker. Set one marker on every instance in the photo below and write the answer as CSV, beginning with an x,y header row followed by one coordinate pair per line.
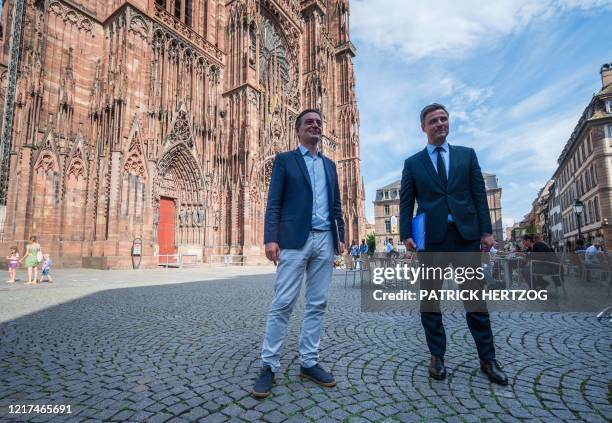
x,y
318,375
263,384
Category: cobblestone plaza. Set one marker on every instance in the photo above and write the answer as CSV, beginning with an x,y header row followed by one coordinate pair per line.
x,y
183,345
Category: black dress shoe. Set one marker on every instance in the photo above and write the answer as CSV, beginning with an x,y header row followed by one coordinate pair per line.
x,y
494,371
436,368
263,384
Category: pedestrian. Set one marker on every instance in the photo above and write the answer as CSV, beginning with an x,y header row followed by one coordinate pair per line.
x,y
446,183
580,245
354,252
46,269
31,258
302,228
363,248
12,262
390,249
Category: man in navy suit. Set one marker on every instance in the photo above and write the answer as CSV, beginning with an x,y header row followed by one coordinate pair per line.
x,y
446,182
303,227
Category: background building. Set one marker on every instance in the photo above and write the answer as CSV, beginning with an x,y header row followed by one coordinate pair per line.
x,y
540,212
386,215
585,170
555,223
386,211
160,120
494,192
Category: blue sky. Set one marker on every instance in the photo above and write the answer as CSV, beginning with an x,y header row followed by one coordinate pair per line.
x,y
515,75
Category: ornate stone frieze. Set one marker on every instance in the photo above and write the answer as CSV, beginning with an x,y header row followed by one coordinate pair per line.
x,y
185,31
177,48
71,16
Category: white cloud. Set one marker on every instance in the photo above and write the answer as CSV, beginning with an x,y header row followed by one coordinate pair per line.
x,y
418,29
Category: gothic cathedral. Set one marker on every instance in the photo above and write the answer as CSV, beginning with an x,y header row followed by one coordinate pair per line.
x,y
159,120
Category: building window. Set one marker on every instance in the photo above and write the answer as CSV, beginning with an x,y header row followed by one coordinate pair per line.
x,y
588,179
387,210
596,206
585,217
386,195
388,226
609,131
609,106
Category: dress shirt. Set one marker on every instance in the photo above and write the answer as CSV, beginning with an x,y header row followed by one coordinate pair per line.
x,y
318,181
433,155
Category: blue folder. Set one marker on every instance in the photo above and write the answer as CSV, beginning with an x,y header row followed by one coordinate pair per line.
x,y
418,231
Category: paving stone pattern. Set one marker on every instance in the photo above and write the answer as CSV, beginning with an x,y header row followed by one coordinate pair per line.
x,y
189,352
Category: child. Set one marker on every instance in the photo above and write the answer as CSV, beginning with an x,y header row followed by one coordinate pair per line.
x,y
12,262
46,268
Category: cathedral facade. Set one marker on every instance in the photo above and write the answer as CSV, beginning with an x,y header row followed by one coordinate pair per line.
x,y
159,120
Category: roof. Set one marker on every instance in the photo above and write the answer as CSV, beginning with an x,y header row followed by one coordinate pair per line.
x,y
396,184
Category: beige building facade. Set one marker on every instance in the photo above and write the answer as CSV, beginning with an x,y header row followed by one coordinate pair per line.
x,y
585,170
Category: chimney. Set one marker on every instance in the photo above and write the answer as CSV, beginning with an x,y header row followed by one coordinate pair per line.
x,y
606,75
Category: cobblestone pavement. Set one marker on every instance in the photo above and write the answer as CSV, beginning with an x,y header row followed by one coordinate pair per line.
x,y
189,351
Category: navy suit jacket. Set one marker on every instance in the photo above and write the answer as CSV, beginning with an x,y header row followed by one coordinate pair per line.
x,y
289,211
465,197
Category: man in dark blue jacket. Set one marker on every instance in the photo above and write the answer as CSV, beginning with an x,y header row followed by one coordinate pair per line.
x,y
446,182
303,227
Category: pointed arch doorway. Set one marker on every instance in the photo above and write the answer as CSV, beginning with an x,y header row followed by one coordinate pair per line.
x,y
179,198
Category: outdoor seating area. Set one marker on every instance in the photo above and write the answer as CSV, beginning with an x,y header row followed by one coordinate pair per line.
x,y
510,271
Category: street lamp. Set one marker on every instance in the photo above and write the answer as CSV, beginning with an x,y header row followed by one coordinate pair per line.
x,y
578,209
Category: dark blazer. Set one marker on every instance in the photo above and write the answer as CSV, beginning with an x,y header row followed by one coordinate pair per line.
x,y
465,197
289,211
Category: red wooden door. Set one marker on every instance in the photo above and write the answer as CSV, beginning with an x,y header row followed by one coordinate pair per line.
x,y
165,228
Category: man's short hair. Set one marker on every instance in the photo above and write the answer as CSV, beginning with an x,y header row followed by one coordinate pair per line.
x,y
528,237
431,108
298,119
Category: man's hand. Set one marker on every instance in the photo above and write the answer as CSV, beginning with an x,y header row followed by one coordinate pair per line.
x,y
410,245
272,251
487,241
340,247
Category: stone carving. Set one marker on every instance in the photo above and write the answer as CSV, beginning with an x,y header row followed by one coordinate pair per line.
x,y
188,33
181,132
71,16
139,27
45,163
76,169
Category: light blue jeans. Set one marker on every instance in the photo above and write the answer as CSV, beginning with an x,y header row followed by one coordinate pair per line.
x,y
315,259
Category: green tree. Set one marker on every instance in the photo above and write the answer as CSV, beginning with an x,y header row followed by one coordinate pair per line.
x,y
371,243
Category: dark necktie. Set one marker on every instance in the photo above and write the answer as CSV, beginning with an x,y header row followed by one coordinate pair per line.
x,y
441,167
